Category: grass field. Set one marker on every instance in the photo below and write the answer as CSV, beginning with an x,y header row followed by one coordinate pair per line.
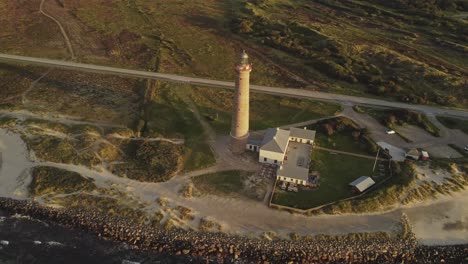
x,y
168,115
266,111
407,52
384,197
226,182
334,180
454,123
343,142
343,134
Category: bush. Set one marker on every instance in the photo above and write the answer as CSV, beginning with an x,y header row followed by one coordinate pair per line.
x,y
46,180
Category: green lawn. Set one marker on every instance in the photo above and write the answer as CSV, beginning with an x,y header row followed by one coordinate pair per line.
x,y
336,172
342,138
168,116
266,111
226,182
343,141
454,123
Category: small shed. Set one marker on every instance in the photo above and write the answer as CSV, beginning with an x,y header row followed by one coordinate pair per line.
x,y
412,154
253,145
362,183
424,155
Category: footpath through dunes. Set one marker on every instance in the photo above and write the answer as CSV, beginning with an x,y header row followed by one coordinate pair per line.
x,y
197,246
300,93
237,216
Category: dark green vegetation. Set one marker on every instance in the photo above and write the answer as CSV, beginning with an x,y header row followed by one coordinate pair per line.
x,y
226,182
400,117
384,197
343,134
266,111
50,180
370,47
151,161
168,114
6,121
333,181
412,51
454,123
136,158
230,183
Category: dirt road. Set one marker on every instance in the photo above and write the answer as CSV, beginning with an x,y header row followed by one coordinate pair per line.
x,y
299,93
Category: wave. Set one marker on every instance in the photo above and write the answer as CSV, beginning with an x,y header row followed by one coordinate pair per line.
x,y
129,262
20,216
37,242
55,243
4,242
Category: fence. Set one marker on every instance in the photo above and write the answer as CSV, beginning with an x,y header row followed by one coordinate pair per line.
x,y
310,210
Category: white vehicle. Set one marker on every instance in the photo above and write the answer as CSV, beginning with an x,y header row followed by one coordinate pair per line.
x,y
466,148
389,131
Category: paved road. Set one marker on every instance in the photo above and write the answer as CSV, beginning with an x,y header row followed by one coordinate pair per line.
x,y
431,110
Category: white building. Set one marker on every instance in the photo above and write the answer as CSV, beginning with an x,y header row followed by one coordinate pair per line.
x,y
289,149
302,135
273,146
362,183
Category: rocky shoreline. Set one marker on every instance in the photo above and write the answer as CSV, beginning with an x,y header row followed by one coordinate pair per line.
x,y
197,247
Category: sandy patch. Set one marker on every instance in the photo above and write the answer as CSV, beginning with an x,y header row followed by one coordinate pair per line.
x,y
14,165
425,173
442,223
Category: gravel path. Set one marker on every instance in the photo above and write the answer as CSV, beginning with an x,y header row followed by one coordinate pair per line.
x,y
62,30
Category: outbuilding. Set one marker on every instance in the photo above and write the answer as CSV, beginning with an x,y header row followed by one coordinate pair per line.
x,y
424,155
413,154
362,183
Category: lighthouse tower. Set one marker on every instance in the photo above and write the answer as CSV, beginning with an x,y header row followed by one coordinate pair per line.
x,y
240,117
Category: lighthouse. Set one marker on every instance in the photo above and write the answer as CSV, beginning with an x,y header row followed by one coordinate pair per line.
x,y
240,117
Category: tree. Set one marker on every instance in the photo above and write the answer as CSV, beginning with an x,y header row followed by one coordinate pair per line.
x,y
329,129
356,134
391,120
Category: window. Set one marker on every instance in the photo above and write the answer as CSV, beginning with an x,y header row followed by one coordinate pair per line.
x,y
264,159
276,161
250,146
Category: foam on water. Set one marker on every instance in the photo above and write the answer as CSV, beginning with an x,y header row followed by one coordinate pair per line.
x,y
129,262
4,242
55,243
37,242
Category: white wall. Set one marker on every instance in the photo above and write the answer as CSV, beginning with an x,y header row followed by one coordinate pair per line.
x,y
287,179
301,140
253,147
270,157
